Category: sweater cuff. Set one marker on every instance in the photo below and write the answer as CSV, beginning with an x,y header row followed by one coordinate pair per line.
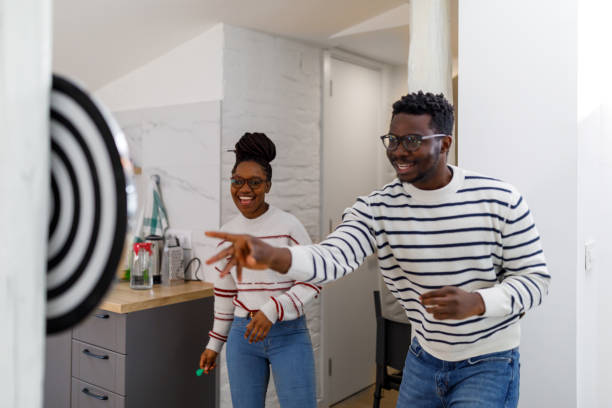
x,y
269,309
496,301
215,344
301,268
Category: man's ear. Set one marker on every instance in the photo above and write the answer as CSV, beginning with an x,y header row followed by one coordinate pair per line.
x,y
268,186
446,143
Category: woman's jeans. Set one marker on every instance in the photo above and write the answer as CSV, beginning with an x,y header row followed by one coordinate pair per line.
x,y
486,381
287,350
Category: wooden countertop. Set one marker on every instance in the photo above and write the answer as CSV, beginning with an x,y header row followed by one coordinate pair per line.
x,y
122,299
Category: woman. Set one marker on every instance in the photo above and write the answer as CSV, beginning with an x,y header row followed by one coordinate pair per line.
x,y
261,313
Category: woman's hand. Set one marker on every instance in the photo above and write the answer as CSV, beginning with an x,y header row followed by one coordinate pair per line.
x,y
208,360
247,251
258,328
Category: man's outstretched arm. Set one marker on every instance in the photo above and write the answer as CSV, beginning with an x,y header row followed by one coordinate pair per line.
x,y
247,251
342,251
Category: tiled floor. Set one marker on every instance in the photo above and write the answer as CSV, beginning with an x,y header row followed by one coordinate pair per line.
x,y
365,398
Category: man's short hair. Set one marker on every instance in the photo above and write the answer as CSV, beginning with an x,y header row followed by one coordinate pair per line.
x,y
419,103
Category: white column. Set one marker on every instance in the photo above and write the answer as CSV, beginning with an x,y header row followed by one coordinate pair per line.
x,y
430,61
25,57
429,55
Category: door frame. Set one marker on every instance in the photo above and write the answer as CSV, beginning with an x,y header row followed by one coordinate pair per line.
x,y
384,70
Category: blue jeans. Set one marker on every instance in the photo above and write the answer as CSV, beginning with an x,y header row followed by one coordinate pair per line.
x,y
486,381
287,349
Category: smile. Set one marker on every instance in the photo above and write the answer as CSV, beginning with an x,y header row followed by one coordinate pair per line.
x,y
245,200
404,166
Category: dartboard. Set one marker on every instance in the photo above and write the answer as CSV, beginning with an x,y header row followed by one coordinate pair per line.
x,y
88,213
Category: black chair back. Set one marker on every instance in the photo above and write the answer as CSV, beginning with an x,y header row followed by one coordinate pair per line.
x,y
392,343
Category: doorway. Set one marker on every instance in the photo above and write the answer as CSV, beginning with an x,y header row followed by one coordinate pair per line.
x,y
351,166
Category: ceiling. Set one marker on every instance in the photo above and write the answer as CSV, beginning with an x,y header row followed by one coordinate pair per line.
x,y
395,40
98,41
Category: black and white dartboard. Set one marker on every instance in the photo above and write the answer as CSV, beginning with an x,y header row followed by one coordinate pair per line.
x,y
90,194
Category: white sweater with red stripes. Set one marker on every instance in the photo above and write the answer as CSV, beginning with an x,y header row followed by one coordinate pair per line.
x,y
276,295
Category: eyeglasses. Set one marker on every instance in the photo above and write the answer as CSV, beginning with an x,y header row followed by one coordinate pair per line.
x,y
252,182
410,142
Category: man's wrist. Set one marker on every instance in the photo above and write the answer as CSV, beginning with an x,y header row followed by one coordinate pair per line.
x,y
280,260
480,304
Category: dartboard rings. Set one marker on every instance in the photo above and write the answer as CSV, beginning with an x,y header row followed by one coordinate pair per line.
x,y
88,214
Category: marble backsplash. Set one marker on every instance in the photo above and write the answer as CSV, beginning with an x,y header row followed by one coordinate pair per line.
x,y
181,144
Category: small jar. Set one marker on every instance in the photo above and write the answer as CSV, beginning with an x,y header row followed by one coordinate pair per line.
x,y
141,276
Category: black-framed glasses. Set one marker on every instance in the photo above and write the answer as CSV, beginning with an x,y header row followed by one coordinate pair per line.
x,y
410,142
254,182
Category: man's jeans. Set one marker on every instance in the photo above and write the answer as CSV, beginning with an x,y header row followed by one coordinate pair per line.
x,y
486,381
287,349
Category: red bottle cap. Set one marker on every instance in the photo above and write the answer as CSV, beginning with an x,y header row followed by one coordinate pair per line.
x,y
142,245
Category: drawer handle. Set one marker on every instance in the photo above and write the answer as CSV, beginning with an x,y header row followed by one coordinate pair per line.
x,y
90,354
102,315
96,396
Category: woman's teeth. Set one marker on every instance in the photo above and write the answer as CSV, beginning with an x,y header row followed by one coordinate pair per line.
x,y
245,200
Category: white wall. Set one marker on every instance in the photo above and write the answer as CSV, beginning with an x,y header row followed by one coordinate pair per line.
x,y
181,144
273,85
25,80
517,109
594,196
190,73
396,84
170,111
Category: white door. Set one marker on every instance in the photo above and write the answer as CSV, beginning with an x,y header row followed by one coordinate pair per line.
x,y
351,126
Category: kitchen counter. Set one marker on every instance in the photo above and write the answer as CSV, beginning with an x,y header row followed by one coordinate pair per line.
x,y
121,299
139,348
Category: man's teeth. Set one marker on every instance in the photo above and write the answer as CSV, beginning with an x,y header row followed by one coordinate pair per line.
x,y
246,199
404,165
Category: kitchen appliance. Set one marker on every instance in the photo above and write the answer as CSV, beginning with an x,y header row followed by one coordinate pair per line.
x,y
172,261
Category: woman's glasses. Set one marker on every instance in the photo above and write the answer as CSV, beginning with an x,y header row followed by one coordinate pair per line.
x,y
254,182
410,142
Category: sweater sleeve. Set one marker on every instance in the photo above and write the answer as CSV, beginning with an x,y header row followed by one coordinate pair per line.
x,y
225,291
524,277
291,304
343,251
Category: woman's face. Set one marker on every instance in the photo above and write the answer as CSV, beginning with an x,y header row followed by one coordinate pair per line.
x,y
249,188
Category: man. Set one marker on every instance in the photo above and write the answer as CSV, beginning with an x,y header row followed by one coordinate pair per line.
x,y
459,251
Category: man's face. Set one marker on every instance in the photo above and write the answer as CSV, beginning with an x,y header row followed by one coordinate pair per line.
x,y
422,164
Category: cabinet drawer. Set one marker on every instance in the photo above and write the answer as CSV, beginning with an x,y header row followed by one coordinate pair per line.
x,y
85,395
103,329
98,366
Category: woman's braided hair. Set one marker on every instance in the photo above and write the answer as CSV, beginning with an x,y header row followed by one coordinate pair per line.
x,y
256,147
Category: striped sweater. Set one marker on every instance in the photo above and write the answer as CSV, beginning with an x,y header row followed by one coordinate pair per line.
x,y
277,296
476,233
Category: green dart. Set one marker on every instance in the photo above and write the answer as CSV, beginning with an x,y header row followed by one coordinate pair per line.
x,y
199,371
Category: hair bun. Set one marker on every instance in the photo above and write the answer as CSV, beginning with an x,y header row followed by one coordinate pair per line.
x,y
255,146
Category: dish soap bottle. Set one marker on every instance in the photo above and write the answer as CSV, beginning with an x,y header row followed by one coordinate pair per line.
x,y
140,275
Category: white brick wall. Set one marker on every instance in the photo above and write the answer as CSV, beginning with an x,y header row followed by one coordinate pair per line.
x,y
273,85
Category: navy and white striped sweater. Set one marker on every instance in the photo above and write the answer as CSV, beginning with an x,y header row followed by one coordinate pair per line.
x,y
476,233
